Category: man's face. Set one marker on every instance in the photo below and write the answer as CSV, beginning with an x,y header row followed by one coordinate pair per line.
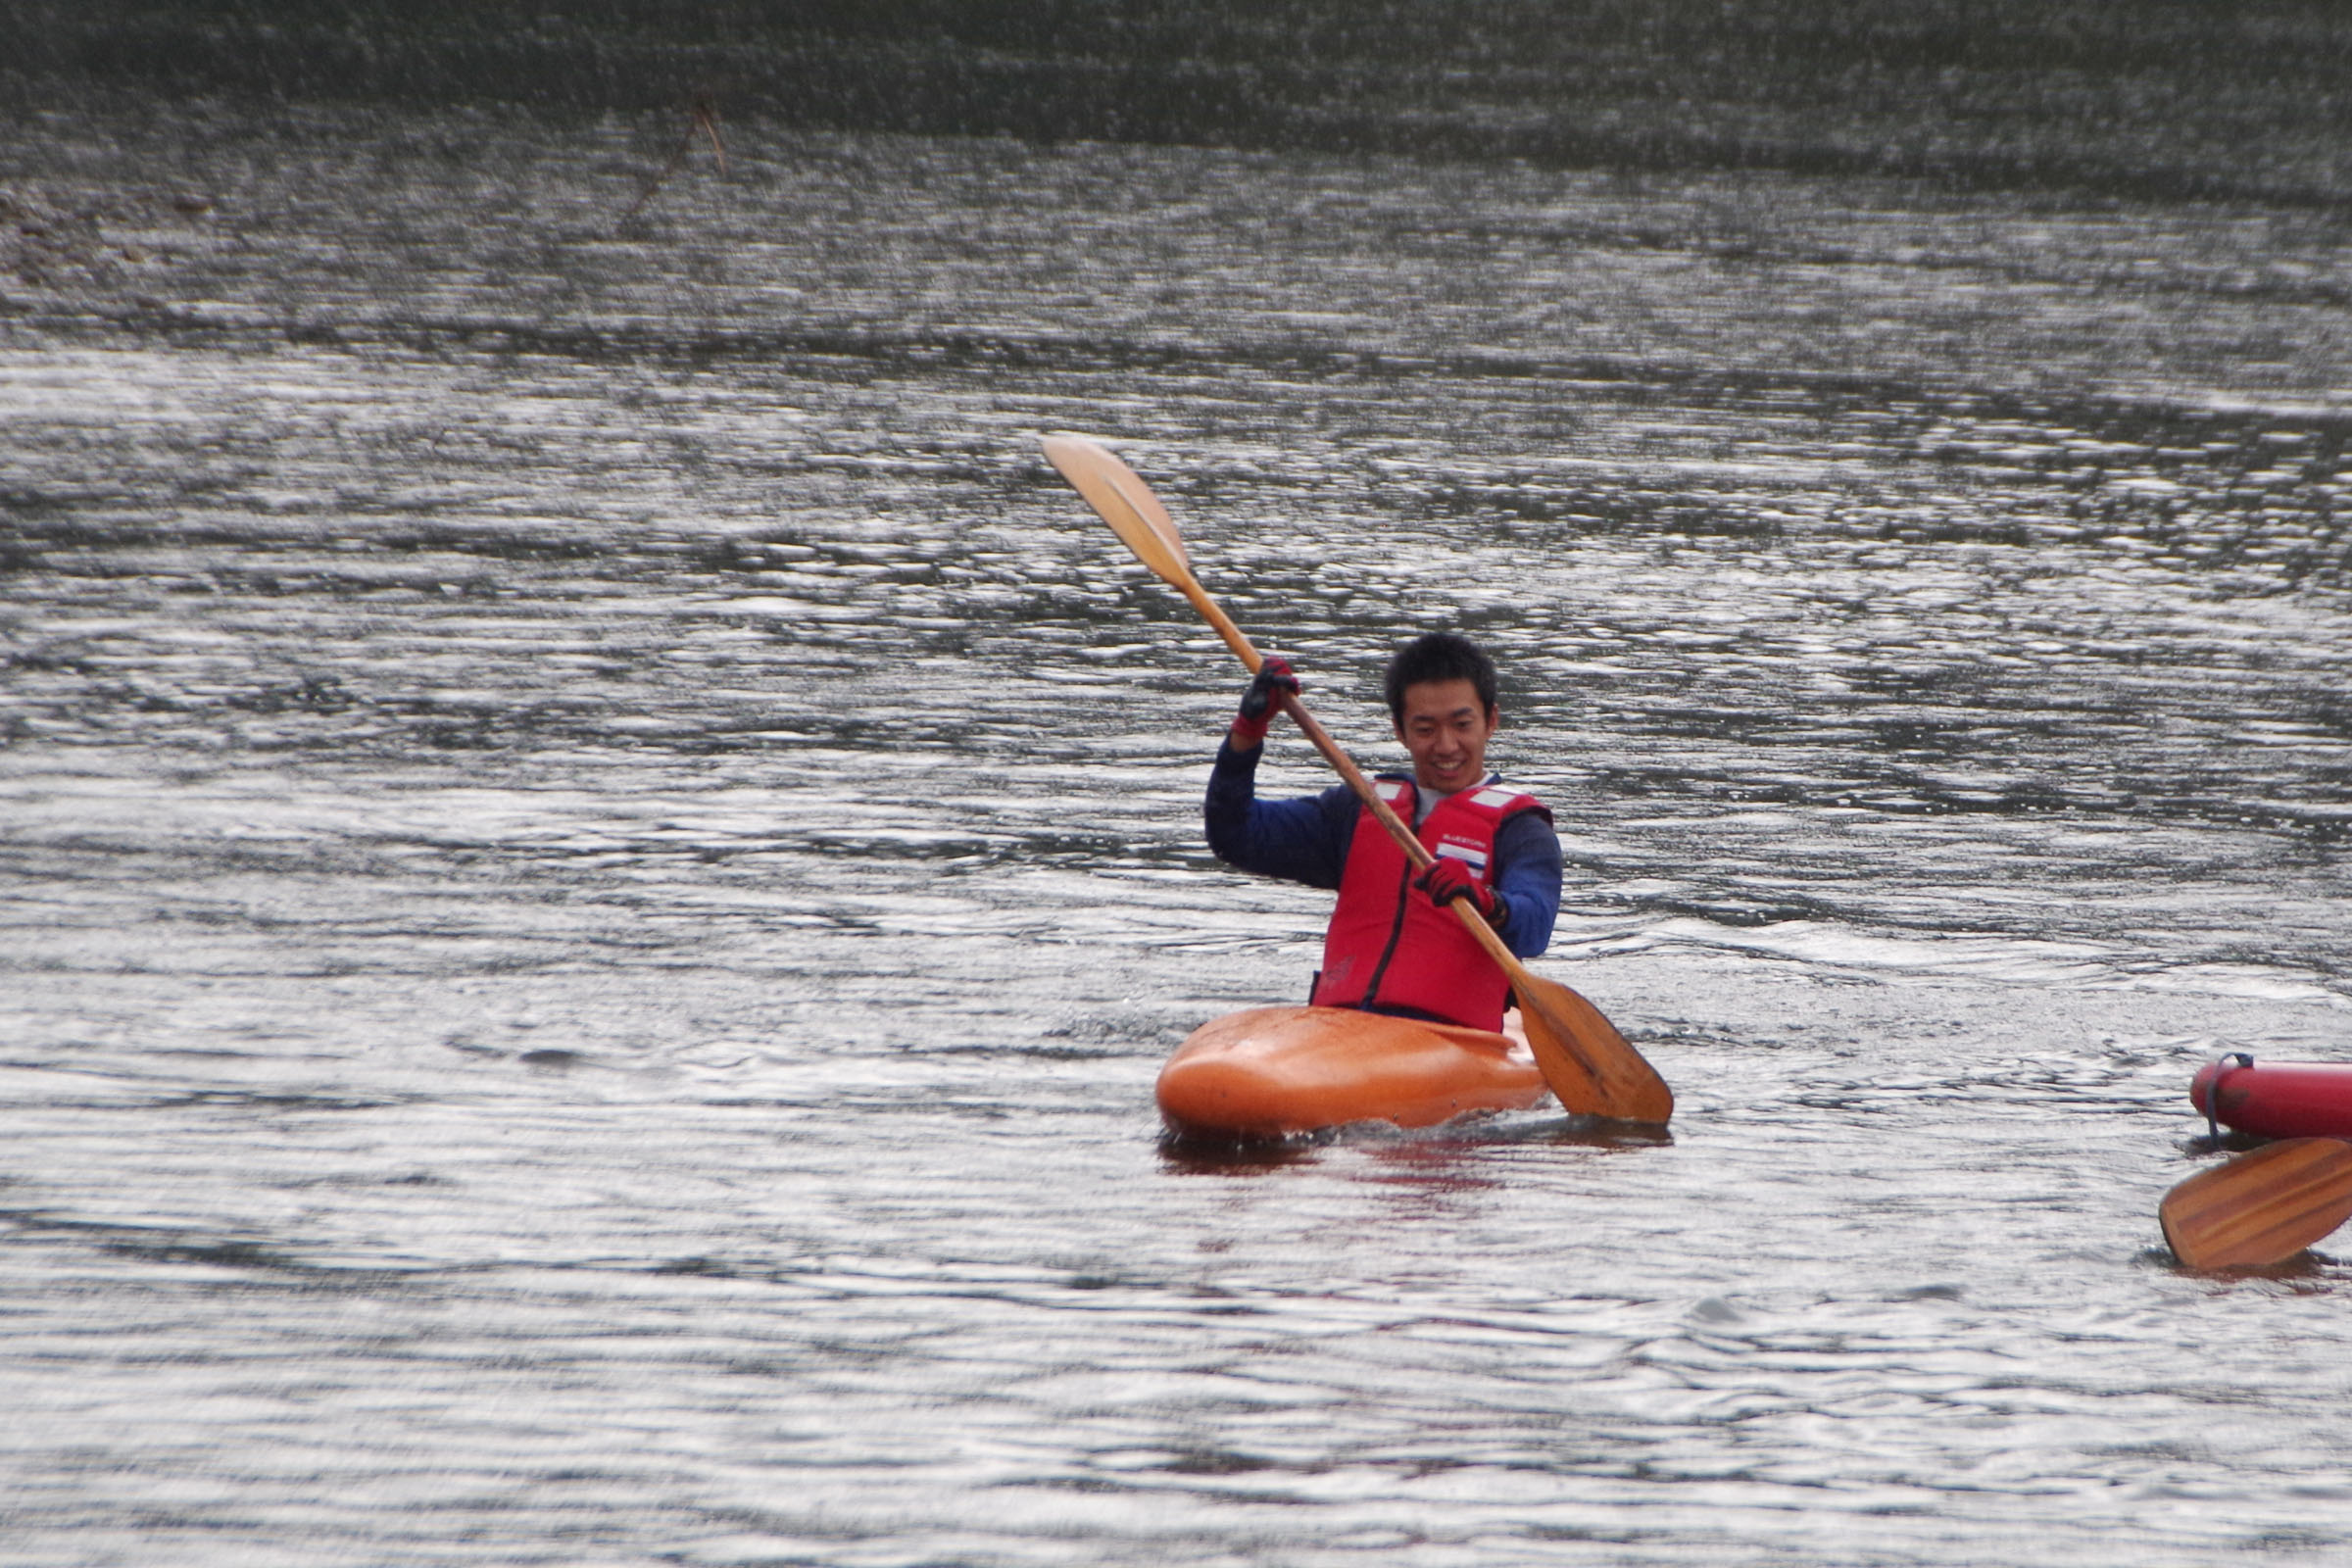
x,y
1446,729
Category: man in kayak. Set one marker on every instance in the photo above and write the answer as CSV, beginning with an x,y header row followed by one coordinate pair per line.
x,y
1393,946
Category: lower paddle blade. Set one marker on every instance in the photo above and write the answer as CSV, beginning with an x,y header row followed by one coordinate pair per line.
x,y
2260,1208
1592,1067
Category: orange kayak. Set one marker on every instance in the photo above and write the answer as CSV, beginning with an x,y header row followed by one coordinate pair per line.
x,y
1272,1071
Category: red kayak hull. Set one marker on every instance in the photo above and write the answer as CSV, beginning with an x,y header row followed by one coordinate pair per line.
x,y
2277,1099
1273,1072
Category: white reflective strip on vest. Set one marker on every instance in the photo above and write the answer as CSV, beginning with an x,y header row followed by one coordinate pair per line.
x,y
1493,800
1475,859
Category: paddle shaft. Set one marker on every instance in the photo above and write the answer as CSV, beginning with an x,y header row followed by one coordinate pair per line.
x,y
1336,755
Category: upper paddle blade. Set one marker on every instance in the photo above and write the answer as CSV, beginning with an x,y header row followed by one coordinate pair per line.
x,y
2260,1208
1592,1067
1124,502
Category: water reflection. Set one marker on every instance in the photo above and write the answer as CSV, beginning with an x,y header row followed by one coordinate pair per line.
x,y
1208,1156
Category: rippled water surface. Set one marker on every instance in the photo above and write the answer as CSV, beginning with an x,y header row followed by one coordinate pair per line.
x,y
598,861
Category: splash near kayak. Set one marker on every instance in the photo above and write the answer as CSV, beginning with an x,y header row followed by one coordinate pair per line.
x,y
1272,1072
2276,1099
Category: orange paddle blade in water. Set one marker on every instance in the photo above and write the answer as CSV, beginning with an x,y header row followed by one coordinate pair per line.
x,y
2263,1207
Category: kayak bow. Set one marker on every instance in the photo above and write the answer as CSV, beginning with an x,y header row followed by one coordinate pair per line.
x,y
2277,1099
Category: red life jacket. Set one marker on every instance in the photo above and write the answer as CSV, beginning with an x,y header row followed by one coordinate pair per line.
x,y
1389,946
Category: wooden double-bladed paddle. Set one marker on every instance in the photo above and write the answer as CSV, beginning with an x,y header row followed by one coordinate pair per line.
x,y
2261,1208
1592,1067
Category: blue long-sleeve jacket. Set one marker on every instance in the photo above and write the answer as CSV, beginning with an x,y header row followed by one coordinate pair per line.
x,y
1306,840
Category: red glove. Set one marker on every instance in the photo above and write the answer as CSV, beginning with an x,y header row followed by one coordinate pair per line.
x,y
1263,698
1448,880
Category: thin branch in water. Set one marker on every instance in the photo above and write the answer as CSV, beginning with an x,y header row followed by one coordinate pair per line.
x,y
705,120
705,114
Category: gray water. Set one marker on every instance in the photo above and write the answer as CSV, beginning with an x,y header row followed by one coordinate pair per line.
x,y
598,859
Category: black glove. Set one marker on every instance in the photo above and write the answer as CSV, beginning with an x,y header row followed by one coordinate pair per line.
x,y
1448,880
1263,700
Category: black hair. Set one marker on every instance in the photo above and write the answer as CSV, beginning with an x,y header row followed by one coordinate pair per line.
x,y
1439,656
